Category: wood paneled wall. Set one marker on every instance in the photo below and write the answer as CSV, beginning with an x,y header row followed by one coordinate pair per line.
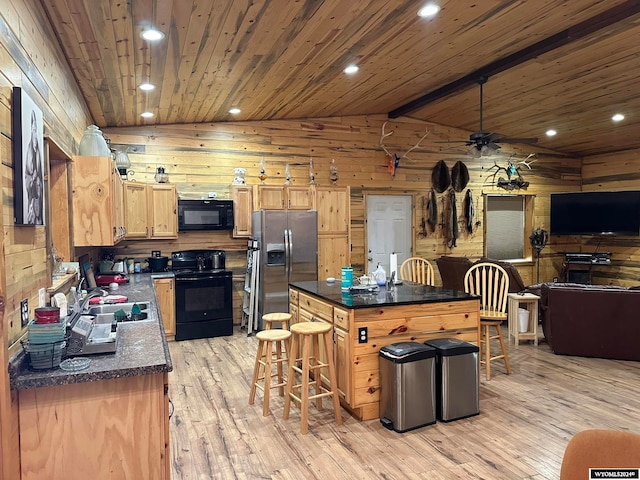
x,y
618,171
201,158
30,59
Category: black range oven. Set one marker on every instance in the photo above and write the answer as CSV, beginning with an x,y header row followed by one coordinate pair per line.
x,y
204,296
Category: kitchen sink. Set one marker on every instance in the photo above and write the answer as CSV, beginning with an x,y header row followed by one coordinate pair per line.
x,y
106,313
102,318
114,307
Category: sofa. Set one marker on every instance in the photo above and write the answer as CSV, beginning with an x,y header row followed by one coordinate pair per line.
x,y
453,269
591,320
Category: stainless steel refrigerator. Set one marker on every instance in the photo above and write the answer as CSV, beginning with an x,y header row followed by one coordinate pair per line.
x,y
288,253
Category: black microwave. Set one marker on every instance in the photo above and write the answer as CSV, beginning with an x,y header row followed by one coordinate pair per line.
x,y
205,215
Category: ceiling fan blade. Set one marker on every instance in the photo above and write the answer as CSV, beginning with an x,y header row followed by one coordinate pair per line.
x,y
519,140
494,137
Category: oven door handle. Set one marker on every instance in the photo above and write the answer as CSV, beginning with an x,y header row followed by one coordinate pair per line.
x,y
190,279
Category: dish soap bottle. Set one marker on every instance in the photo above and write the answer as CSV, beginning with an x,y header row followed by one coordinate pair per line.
x,y
380,276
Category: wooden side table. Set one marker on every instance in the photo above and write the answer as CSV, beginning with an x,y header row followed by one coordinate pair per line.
x,y
530,302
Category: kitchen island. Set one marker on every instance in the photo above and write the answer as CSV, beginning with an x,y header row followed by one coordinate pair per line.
x,y
365,322
110,420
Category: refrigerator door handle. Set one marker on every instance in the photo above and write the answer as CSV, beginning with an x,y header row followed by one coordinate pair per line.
x,y
286,252
289,243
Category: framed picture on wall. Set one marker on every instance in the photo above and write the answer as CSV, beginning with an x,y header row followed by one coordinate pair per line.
x,y
28,159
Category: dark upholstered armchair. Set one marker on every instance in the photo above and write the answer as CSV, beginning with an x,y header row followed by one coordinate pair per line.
x,y
452,271
516,284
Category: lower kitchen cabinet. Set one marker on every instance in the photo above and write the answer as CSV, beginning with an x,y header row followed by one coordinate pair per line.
x,y
165,292
116,428
359,333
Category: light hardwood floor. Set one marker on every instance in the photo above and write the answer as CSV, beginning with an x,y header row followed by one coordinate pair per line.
x,y
525,421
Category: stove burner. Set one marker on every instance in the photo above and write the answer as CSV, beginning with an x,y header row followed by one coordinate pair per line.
x,y
198,261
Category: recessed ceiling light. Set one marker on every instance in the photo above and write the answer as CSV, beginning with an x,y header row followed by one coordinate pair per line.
x,y
147,115
146,86
234,111
152,34
429,10
618,117
551,132
351,69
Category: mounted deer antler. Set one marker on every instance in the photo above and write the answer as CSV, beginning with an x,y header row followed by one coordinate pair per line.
x,y
528,164
417,144
393,159
382,137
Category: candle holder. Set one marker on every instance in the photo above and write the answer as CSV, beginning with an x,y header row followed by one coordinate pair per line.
x,y
333,169
161,176
263,171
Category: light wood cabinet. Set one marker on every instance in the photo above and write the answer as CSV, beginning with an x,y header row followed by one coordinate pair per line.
x,y
115,428
285,197
165,293
242,210
334,248
97,193
150,211
163,211
135,210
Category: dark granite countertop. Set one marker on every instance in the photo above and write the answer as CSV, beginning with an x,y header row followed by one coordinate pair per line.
x,y
141,350
406,293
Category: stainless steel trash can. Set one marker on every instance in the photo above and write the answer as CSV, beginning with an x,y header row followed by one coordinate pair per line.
x,y
407,386
457,383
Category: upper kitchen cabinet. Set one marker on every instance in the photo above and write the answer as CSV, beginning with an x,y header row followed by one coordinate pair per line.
x,y
334,247
135,210
150,211
285,197
163,210
97,193
332,204
242,210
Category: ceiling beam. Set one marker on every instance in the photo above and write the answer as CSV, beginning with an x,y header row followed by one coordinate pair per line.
x,y
578,31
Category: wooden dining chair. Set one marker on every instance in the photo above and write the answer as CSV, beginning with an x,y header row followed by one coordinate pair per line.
x,y
416,269
490,282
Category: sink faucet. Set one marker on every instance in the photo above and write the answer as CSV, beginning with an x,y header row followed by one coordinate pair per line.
x,y
94,293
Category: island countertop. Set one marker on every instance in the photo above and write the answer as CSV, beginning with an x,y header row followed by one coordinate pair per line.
x,y
142,348
406,293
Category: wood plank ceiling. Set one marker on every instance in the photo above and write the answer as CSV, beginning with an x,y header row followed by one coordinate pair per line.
x,y
280,59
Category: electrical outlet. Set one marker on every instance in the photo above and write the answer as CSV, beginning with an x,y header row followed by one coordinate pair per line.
x,y
213,195
24,312
41,297
555,279
363,335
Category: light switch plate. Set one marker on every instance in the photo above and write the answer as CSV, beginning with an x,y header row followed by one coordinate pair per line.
x,y
41,297
24,312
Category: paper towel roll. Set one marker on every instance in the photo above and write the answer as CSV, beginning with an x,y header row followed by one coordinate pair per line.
x,y
393,265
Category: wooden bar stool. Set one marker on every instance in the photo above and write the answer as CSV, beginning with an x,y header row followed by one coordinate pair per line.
x,y
284,319
308,334
266,357
268,319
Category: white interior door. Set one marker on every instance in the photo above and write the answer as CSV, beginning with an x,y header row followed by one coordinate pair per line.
x,y
388,229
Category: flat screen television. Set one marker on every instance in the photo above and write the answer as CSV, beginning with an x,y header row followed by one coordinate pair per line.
x,y
595,213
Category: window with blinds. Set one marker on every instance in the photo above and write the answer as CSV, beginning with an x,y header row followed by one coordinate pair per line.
x,y
505,227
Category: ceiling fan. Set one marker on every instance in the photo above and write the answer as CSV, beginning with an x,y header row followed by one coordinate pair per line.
x,y
485,143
